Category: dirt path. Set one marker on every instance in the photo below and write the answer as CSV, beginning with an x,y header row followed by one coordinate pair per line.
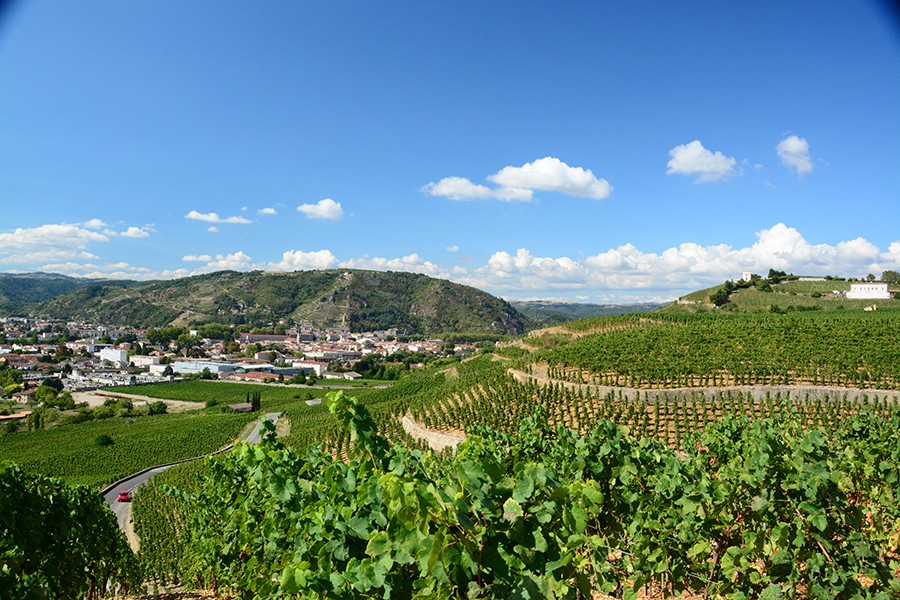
x,y
540,375
438,440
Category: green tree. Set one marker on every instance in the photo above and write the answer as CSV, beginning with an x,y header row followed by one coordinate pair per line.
x,y
891,277
54,383
720,297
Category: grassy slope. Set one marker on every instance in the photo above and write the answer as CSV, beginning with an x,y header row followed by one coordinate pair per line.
x,y
69,452
797,294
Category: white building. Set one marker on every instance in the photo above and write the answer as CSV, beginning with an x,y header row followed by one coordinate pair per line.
x,y
144,361
316,366
869,291
189,367
114,355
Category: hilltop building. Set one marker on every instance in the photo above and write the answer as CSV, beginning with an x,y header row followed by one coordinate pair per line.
x,y
869,291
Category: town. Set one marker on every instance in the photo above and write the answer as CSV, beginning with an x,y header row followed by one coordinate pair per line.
x,y
86,356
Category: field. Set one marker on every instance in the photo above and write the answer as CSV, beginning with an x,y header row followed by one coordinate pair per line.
x,y
224,392
71,453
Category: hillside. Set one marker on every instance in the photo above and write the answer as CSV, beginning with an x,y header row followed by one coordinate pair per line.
x,y
20,291
785,296
360,300
545,312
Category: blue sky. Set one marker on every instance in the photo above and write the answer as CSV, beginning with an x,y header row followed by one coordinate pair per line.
x,y
590,151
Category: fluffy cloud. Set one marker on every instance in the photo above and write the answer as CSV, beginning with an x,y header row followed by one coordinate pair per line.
x,y
212,229
411,263
297,260
627,271
518,184
453,248
93,224
694,159
196,258
460,188
794,154
215,218
135,232
326,209
267,211
553,175
237,261
51,242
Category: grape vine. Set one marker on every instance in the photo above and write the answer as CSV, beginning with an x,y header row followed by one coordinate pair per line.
x,y
764,508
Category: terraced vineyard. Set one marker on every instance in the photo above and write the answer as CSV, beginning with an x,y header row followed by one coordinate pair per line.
x,y
502,403
772,508
714,408
699,350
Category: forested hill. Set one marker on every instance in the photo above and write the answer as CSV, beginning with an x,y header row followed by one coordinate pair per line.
x,y
360,300
20,291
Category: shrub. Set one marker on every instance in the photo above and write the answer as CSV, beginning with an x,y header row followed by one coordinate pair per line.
x,y
103,440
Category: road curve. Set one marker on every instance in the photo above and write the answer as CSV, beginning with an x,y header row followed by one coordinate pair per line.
x,y
131,483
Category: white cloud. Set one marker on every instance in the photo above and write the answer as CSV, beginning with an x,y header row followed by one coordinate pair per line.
x,y
890,260
411,263
237,261
794,154
453,248
215,218
267,211
676,270
552,175
518,184
135,232
460,188
196,258
51,242
212,229
326,209
93,224
694,159
297,260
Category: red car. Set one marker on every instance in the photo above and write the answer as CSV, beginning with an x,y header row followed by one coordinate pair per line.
x,y
124,496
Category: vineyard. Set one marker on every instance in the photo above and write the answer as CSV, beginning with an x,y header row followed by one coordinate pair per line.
x,y
59,540
768,508
736,456
73,454
223,392
698,350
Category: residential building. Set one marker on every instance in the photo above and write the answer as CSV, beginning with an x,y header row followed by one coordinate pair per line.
x,y
114,355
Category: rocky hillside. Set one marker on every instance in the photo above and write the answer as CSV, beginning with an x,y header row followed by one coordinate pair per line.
x,y
360,300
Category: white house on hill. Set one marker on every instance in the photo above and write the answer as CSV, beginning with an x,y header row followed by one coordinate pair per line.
x,y
869,291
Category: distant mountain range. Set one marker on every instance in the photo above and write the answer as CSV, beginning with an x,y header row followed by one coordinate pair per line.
x,y
359,300
541,313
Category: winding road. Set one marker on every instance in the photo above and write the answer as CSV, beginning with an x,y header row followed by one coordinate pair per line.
x,y
131,483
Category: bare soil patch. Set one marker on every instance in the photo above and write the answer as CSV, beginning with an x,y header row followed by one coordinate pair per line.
x,y
98,397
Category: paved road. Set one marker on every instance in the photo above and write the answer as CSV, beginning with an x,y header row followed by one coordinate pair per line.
x,y
123,509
